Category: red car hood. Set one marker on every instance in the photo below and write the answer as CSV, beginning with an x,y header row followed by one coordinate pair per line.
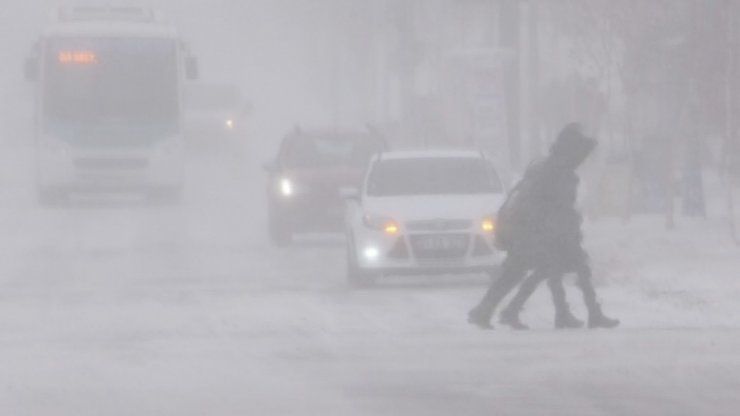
x,y
334,178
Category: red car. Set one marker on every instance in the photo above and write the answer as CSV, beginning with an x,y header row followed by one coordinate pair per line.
x,y
306,177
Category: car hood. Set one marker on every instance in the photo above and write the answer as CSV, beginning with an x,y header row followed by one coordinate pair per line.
x,y
415,208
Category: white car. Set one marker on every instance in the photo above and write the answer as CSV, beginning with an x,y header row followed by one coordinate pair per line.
x,y
423,212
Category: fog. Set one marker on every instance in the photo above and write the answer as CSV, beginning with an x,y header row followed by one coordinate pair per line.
x,y
279,207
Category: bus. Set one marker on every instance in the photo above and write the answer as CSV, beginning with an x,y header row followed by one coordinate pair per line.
x,y
108,103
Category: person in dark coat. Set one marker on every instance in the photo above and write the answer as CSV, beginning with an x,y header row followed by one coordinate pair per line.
x,y
547,239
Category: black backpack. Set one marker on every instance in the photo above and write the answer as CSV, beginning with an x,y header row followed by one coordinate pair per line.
x,y
509,216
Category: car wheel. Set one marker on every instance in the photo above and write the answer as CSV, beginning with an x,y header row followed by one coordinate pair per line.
x,y
280,233
356,276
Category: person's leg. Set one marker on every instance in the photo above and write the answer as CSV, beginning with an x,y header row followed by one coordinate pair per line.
x,y
512,271
555,283
563,317
510,314
596,318
583,280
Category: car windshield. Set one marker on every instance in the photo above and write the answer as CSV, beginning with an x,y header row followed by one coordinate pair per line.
x,y
330,150
433,176
101,82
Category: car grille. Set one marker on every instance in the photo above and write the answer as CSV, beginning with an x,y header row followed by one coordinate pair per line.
x,y
111,163
439,225
440,246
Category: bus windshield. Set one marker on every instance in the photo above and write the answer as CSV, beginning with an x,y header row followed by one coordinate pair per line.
x,y
103,82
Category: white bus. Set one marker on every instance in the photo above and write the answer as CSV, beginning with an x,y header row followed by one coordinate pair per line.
x,y
109,103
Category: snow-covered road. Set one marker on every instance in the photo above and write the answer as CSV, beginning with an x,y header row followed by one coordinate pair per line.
x,y
122,308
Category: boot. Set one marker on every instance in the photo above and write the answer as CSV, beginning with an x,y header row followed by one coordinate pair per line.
x,y
511,318
564,319
475,317
597,319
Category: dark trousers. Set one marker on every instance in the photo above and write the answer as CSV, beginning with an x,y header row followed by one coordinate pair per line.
x,y
514,269
554,280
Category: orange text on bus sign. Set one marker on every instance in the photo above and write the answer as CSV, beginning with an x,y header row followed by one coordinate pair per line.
x,y
78,57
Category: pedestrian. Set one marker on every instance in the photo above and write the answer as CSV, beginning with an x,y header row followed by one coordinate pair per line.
x,y
543,236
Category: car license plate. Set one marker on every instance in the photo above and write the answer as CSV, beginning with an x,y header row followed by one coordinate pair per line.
x,y
442,243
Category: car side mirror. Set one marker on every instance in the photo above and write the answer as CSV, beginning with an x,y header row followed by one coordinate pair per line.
x,y
191,68
349,194
31,69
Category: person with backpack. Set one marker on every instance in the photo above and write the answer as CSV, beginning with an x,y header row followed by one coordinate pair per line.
x,y
540,229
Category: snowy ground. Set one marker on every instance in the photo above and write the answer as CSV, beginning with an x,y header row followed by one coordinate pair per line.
x,y
121,308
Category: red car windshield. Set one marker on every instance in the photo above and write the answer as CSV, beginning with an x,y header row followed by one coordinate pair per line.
x,y
328,151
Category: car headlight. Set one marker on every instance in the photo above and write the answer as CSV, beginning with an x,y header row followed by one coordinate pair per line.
x,y
488,224
382,223
371,253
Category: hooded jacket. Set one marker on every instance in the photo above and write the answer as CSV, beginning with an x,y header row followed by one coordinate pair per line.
x,y
547,222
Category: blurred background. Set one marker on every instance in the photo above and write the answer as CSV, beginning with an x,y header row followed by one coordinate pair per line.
x,y
500,75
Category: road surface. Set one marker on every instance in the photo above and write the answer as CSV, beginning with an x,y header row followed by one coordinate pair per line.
x,y
117,307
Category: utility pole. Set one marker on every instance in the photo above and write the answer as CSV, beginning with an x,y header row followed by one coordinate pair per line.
x,y
408,60
535,145
510,40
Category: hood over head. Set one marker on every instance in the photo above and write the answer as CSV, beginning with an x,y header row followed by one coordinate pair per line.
x,y
571,147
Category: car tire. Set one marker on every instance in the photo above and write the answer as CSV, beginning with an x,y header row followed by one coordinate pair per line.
x,y
357,277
